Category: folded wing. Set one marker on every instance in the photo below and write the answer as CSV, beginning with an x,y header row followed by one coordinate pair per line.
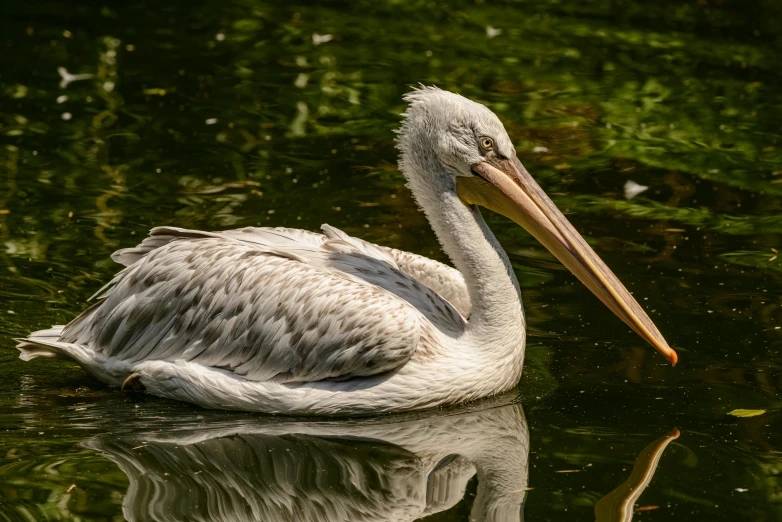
x,y
266,304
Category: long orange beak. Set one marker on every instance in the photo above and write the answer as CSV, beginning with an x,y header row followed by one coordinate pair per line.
x,y
505,186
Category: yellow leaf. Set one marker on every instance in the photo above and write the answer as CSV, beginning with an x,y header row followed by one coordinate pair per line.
x,y
746,413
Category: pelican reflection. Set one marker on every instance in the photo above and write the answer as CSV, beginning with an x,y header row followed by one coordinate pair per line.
x,y
386,469
396,468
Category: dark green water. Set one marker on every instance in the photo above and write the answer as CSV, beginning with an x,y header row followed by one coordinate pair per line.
x,y
216,115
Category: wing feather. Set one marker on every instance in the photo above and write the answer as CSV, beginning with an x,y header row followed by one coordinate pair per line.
x,y
271,303
263,313
439,277
443,279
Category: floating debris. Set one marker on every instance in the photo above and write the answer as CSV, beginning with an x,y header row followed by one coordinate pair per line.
x,y
68,78
491,32
318,39
632,189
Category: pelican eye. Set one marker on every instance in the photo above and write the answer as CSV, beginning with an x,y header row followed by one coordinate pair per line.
x,y
486,143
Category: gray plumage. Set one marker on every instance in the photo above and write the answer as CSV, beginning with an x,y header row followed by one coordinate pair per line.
x,y
263,303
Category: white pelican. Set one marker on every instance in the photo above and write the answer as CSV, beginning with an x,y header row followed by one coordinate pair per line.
x,y
289,321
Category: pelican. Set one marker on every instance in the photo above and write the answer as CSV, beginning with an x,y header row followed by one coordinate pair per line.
x,y
287,321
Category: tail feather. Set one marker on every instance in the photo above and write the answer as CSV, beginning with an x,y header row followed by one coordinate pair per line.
x,y
47,343
43,343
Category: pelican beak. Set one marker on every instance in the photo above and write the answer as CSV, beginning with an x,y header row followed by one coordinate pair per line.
x,y
504,186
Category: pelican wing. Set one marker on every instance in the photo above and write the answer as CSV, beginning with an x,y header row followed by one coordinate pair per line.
x,y
263,303
446,281
443,279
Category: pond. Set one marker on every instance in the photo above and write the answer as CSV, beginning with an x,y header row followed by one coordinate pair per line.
x,y
119,116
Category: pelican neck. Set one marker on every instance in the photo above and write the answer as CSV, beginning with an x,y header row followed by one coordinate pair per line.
x,y
496,321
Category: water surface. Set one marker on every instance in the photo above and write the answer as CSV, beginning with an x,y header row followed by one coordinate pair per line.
x,y
216,115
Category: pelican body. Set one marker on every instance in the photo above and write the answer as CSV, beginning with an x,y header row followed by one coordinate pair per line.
x,y
288,321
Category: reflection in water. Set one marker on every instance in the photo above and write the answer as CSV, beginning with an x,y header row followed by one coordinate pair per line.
x,y
618,505
389,469
397,468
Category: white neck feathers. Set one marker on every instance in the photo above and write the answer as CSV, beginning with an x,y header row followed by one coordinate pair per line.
x,y
496,323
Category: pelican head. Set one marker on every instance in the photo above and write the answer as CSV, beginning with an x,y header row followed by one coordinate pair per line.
x,y
449,144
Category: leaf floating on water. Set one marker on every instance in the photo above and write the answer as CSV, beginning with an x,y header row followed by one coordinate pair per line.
x,y
746,413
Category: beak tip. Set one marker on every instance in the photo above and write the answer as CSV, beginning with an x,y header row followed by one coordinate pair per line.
x,y
672,357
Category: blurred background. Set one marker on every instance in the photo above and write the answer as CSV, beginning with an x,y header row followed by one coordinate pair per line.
x,y
655,127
